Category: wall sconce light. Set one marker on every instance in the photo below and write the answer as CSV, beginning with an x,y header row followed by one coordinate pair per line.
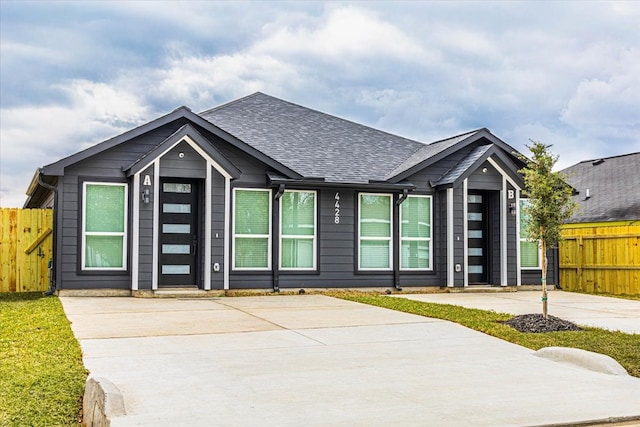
x,y
145,195
512,209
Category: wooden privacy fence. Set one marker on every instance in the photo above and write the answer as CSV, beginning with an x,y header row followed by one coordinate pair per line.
x,y
603,257
26,246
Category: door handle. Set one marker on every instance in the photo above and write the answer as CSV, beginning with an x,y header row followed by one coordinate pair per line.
x,y
194,246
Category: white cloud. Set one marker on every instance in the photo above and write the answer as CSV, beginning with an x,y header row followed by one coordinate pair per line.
x,y
32,136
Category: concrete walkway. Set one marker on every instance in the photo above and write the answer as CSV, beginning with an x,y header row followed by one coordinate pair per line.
x,y
317,361
615,314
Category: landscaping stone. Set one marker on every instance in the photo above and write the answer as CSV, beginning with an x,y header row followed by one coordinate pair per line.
x,y
537,323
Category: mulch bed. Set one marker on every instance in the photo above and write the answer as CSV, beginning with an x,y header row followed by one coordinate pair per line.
x,y
536,323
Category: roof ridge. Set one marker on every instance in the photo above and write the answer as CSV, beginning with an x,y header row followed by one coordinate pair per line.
x,y
226,104
458,136
610,157
333,116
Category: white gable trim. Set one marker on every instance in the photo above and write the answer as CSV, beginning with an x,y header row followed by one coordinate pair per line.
x,y
450,251
465,232
503,173
135,234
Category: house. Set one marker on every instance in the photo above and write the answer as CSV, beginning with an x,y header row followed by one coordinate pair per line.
x,y
601,247
260,193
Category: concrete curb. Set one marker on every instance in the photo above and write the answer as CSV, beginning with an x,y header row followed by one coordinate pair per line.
x,y
102,401
583,358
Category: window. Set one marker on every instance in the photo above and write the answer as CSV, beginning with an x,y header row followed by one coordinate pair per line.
x,y
415,233
530,251
298,230
104,226
374,231
252,229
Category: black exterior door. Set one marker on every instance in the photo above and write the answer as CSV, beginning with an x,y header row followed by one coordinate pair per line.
x,y
178,232
477,243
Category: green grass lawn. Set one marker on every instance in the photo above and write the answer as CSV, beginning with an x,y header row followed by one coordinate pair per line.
x,y
41,372
625,348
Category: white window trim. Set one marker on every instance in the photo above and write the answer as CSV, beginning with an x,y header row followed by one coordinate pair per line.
x,y
123,234
312,238
418,239
251,236
389,239
524,239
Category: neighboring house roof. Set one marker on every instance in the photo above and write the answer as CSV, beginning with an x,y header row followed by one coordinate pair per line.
x,y
608,188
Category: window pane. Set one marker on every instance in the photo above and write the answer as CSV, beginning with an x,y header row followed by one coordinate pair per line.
x,y
298,213
176,249
474,198
251,212
374,254
176,208
415,254
475,269
176,228
416,217
475,234
475,251
297,253
104,208
104,252
176,269
170,187
474,216
251,252
529,254
375,215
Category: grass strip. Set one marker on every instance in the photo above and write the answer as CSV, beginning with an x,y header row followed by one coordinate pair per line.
x,y
623,347
42,376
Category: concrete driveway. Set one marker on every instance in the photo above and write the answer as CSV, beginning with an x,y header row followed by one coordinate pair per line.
x,y
614,314
317,361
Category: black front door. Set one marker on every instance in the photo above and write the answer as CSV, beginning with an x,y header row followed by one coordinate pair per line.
x,y
178,232
477,238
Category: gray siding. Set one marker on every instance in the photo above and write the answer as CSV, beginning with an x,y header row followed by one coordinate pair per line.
x,y
217,230
182,161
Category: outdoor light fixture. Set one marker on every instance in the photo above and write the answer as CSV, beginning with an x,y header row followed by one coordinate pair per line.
x,y
484,170
145,195
181,155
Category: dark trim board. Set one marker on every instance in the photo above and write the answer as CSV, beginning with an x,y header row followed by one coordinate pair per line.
x,y
253,143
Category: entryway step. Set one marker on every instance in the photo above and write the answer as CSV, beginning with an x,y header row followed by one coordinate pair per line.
x,y
184,293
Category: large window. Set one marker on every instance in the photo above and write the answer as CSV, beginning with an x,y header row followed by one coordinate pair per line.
x,y
252,229
415,233
374,231
104,226
530,251
298,230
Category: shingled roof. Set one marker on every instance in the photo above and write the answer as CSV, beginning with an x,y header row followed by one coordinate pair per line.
x,y
319,145
608,188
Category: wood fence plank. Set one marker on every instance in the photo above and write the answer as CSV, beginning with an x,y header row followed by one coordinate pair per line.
x,y
601,259
19,228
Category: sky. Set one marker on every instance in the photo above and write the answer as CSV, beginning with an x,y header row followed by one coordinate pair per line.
x,y
73,74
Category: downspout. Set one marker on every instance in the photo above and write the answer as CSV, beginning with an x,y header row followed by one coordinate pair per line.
x,y
51,263
396,232
275,242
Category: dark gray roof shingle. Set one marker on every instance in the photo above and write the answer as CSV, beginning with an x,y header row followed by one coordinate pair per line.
x,y
614,188
314,144
455,172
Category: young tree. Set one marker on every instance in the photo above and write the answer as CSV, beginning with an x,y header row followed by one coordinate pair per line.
x,y
550,204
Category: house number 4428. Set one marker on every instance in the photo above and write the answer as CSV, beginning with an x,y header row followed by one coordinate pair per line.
x,y
336,218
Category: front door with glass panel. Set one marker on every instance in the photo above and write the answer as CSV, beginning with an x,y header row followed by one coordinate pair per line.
x,y
477,237
178,232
